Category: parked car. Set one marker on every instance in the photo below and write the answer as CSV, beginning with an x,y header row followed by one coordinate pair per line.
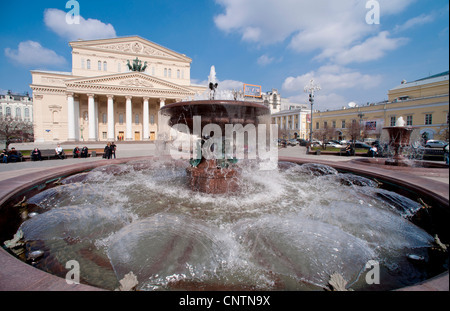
x,y
435,144
361,146
292,142
334,145
302,142
282,142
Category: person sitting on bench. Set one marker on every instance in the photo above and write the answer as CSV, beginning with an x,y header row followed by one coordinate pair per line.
x,y
4,156
76,152
349,150
59,152
84,152
14,155
36,155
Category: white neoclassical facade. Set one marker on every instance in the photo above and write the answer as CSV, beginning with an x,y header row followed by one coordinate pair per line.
x,y
16,106
102,99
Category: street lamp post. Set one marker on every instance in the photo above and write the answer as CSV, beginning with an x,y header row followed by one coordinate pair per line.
x,y
310,89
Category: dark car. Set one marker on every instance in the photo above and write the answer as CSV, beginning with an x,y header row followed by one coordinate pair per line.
x,y
302,142
361,146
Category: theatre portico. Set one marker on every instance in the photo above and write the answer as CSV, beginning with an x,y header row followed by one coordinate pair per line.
x,y
119,99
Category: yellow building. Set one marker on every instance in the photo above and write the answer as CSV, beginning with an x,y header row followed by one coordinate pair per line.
x,y
102,98
423,104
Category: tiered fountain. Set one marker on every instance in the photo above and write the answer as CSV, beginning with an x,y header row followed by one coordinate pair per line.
x,y
399,137
215,172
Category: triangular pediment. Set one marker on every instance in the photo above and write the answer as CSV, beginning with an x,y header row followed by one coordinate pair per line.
x,y
133,46
129,80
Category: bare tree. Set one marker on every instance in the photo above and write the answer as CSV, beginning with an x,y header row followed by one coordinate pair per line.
x,y
15,130
324,134
355,131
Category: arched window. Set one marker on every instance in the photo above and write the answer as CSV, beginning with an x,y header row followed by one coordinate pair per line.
x,y
88,66
27,112
165,72
18,113
178,74
8,111
119,67
152,119
105,66
99,65
170,73
136,119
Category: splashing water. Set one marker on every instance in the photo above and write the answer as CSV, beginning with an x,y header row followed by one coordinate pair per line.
x,y
288,229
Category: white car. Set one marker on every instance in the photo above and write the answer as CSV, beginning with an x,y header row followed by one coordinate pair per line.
x,y
334,145
436,144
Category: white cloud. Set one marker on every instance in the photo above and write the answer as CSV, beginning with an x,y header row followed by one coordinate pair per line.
x,y
372,49
264,60
331,79
324,25
33,53
416,21
87,29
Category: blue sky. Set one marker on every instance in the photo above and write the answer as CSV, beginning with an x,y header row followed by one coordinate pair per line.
x,y
279,44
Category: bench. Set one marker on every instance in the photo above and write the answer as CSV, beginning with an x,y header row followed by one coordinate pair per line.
x,y
433,154
48,154
95,152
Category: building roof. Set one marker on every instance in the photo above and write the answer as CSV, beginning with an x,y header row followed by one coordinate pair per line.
x,y
443,76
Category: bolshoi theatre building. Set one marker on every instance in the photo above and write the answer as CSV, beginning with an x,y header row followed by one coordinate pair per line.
x,y
114,91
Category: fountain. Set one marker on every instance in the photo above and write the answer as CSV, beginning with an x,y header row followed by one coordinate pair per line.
x,y
399,137
214,171
287,229
213,219
213,160
403,150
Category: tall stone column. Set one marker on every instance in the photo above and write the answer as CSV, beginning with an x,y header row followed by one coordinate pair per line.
x,y
91,118
77,117
111,133
71,117
145,120
162,102
129,119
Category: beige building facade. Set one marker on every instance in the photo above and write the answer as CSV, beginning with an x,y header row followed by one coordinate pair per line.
x,y
423,104
101,99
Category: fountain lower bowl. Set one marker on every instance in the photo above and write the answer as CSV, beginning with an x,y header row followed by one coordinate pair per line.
x,y
23,276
